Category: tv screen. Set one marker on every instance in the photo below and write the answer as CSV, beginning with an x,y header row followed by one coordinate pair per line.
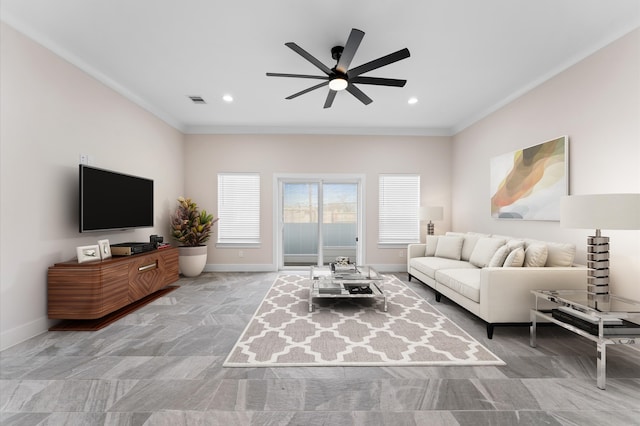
x,y
110,200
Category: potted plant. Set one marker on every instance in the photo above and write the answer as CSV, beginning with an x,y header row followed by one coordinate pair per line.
x,y
191,228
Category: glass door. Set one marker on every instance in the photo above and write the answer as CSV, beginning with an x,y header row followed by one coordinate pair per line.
x,y
300,219
319,220
339,221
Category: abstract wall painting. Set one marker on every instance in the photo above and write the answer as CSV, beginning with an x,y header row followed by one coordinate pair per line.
x,y
527,184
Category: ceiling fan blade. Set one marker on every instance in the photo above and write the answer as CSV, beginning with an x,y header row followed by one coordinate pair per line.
x,y
317,86
379,81
300,51
277,74
359,94
380,62
330,97
355,37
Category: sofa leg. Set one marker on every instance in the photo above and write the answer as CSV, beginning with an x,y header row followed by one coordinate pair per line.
x,y
409,277
490,331
438,296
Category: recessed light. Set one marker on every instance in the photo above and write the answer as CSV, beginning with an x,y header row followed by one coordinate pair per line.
x,y
227,98
412,101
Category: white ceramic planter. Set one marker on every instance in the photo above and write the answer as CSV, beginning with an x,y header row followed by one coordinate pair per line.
x,y
192,260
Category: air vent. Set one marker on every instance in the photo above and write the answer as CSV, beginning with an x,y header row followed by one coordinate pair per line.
x,y
197,100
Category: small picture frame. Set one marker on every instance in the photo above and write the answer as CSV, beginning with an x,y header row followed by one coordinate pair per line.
x,y
105,249
88,253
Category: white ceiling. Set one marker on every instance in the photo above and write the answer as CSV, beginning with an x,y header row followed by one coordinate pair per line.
x,y
468,57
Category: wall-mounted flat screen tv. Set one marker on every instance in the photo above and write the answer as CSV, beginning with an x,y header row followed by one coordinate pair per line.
x,y
112,201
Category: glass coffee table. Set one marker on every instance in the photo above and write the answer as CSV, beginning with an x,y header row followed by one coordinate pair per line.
x,y
345,282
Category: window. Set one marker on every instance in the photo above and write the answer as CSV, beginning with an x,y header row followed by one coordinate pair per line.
x,y
239,208
399,198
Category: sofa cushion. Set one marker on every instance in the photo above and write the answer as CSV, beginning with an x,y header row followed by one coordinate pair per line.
x,y
449,247
535,255
514,244
432,242
515,258
463,281
484,250
499,257
470,241
454,234
429,265
560,254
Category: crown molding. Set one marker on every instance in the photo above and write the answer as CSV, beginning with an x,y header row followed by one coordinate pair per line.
x,y
570,62
309,130
38,38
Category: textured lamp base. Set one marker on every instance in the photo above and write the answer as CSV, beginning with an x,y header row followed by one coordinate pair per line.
x,y
598,264
430,228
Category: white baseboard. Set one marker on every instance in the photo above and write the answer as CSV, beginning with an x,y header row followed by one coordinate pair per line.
x,y
260,267
392,267
22,333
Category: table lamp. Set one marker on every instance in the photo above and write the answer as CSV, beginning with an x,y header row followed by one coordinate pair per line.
x,y
600,211
431,213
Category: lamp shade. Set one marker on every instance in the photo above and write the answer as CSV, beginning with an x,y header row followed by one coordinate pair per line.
x,y
600,211
431,213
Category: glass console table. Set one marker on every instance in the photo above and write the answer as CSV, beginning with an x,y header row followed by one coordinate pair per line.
x,y
603,319
351,282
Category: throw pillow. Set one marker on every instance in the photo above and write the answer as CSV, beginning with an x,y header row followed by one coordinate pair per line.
x,y
432,242
514,244
449,247
484,250
499,257
535,255
515,258
560,254
470,241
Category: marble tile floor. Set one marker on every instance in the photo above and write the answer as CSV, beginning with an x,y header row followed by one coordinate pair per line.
x,y
162,365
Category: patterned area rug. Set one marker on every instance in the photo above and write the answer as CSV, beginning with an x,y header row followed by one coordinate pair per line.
x,y
352,332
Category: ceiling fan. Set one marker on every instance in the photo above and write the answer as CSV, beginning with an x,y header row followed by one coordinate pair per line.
x,y
341,77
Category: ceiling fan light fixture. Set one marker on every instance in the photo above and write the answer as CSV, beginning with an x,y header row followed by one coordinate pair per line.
x,y
338,83
342,77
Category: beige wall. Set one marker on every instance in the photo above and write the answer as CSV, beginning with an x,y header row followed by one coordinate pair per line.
x,y
207,155
50,113
597,104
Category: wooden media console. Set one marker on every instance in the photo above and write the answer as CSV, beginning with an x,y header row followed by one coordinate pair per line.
x,y
92,290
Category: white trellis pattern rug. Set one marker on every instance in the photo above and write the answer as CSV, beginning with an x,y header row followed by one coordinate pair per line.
x,y
352,332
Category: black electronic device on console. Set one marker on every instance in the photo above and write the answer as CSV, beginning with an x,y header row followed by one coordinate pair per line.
x,y
156,240
127,249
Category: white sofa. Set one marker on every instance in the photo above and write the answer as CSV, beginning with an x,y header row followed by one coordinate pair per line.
x,y
491,275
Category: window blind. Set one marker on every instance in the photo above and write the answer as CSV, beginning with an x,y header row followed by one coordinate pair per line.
x,y
239,208
399,205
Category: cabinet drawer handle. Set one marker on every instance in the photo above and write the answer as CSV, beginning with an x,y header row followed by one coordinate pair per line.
x,y
153,265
